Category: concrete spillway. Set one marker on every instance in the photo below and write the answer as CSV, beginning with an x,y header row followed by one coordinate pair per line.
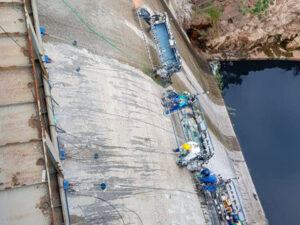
x,y
114,109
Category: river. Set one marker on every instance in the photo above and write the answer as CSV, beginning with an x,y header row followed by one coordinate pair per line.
x,y
264,106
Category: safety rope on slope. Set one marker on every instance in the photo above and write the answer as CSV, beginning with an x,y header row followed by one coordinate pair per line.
x,y
145,40
103,38
145,69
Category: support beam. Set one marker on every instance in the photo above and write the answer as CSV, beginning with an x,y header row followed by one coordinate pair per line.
x,y
53,153
53,134
35,41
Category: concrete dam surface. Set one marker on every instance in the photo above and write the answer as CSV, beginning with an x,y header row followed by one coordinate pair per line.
x,y
111,123
114,110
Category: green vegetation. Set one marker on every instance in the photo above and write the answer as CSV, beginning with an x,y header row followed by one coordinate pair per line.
x,y
260,8
219,79
218,76
213,12
200,32
210,13
209,10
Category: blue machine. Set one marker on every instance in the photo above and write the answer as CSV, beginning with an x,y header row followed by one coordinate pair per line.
x,y
166,47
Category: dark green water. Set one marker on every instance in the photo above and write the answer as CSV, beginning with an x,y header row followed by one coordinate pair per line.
x,y
266,97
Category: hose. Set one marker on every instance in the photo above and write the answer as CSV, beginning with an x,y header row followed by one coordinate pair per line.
x,y
103,38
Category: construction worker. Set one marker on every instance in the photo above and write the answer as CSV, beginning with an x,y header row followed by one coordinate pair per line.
x,y
210,180
186,148
236,220
188,154
179,102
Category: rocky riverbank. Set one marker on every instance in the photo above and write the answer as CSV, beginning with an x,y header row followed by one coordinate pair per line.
x,y
248,29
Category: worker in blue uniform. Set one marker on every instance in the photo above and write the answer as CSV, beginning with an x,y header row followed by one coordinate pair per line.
x,y
210,180
179,102
43,31
235,220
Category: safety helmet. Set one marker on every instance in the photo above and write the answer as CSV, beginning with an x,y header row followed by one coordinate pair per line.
x,y
205,172
186,146
235,218
177,100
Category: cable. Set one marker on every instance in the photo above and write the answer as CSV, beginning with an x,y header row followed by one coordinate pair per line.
x,y
145,40
10,37
112,44
83,146
103,38
159,189
134,213
102,199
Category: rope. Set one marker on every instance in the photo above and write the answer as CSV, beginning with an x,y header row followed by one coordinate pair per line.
x,y
107,202
145,40
103,38
111,43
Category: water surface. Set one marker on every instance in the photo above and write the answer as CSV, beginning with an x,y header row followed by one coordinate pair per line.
x,y
266,99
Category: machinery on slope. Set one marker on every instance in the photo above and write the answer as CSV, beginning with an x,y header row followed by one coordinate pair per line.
x,y
165,44
194,128
224,203
227,202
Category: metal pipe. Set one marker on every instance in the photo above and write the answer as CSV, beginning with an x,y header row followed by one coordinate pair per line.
x,y
53,133
37,96
36,22
237,194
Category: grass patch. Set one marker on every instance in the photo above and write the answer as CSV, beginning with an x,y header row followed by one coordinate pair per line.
x,y
219,77
214,13
260,8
